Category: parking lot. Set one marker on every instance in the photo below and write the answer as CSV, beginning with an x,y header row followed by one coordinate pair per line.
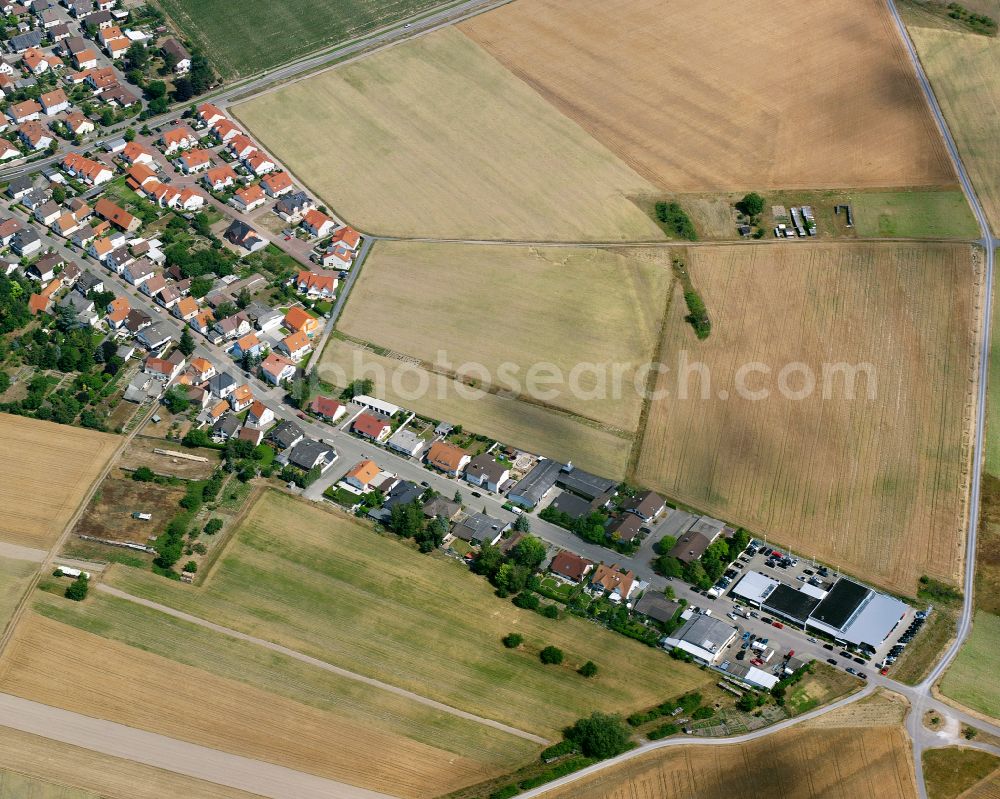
x,y
757,625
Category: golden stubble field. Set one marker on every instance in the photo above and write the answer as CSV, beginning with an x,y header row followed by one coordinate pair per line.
x,y
962,68
107,679
875,486
804,763
46,471
714,99
450,305
435,138
32,767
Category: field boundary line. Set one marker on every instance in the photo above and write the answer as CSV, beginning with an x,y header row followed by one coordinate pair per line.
x,y
632,464
322,664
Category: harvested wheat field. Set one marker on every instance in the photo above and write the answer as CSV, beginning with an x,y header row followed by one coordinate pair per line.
x,y
435,138
42,486
14,578
519,424
511,309
55,770
962,68
326,585
712,100
873,484
804,763
111,680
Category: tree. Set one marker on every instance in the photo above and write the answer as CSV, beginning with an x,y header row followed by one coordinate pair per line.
x,y
143,475
183,90
529,552
752,204
458,496
107,117
137,56
523,524
176,400
77,590
356,387
551,655
200,286
212,526
599,735
588,669
129,134
513,640
186,344
58,194
190,567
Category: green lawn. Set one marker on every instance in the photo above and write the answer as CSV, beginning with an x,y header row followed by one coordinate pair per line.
x,y
323,584
972,678
242,38
951,771
14,578
914,214
21,786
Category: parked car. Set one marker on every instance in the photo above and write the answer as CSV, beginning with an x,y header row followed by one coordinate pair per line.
x,y
831,661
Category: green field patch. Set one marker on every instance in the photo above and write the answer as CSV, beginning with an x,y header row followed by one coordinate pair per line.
x,y
972,678
914,214
327,586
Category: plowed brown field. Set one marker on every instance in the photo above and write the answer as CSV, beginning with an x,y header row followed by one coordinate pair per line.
x,y
717,96
872,485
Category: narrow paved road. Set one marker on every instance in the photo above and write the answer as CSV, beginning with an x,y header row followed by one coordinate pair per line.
x,y
922,699
322,664
180,757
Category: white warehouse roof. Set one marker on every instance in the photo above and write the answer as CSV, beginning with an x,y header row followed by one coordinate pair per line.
x,y
754,587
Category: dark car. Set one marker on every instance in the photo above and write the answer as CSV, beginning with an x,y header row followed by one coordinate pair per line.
x,y
808,571
476,494
828,646
845,654
425,484
862,675
862,661
831,661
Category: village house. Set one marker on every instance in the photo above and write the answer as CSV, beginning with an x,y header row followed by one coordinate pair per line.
x,y
23,112
118,310
371,426
485,472
241,146
89,171
362,474
570,566
222,385
138,272
406,442
260,163
201,370
178,138
259,415
318,224
277,184
78,124
225,130
209,114
117,216
194,161
479,529
8,150
295,345
248,345
241,398
618,584
646,505
242,235
136,153
173,49
233,327
327,408
85,59
164,369
248,198
277,369
220,177
184,308
291,207
54,102
299,321
35,135
316,285
47,213
448,458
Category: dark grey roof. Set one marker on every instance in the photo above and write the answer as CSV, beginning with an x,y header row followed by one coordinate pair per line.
x,y
786,601
645,504
479,527
21,184
656,606
175,48
24,236
572,505
290,203
220,382
403,493
309,453
839,605
441,506
484,465
23,41
584,483
227,426
626,526
286,434
89,282
535,484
